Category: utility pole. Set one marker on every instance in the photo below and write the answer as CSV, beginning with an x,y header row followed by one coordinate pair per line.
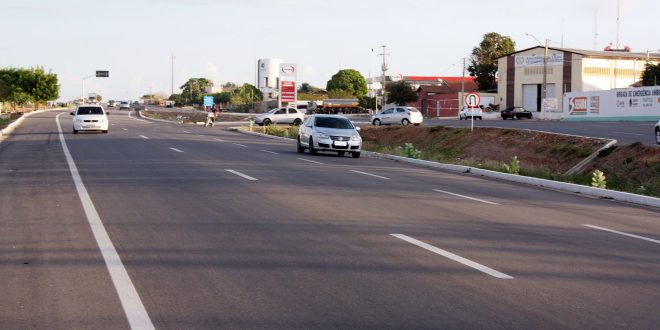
x,y
544,94
384,69
460,102
172,78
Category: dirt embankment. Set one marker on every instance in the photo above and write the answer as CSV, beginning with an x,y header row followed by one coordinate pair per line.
x,y
634,168
190,116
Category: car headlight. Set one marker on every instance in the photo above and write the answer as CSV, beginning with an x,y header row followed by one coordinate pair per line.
x,y
322,136
355,137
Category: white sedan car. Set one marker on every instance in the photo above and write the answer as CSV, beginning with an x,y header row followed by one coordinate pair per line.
x,y
90,117
329,133
288,116
468,113
399,115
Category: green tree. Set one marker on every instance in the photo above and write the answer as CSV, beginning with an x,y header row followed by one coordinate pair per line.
x,y
483,62
45,86
340,94
246,94
348,80
224,97
368,102
177,98
193,90
651,74
229,84
401,93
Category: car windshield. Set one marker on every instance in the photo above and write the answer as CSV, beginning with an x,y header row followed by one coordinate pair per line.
x,y
332,122
90,111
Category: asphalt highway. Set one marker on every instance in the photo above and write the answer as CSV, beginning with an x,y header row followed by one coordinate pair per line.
x,y
183,227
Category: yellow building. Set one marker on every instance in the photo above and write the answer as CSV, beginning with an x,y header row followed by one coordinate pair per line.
x,y
520,77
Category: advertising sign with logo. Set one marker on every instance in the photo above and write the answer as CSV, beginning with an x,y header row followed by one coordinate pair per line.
x,y
537,60
641,103
288,91
288,77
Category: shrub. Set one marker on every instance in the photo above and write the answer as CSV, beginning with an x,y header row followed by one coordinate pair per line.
x,y
598,179
411,152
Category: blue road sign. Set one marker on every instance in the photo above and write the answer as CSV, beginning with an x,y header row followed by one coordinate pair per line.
x,y
208,101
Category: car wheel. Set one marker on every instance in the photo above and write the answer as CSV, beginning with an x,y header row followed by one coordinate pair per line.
x,y
301,149
105,132
312,150
460,118
405,122
356,155
297,122
341,153
266,121
416,124
376,122
75,131
657,135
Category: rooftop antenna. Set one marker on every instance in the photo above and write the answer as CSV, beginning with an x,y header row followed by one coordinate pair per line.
x,y
596,30
618,14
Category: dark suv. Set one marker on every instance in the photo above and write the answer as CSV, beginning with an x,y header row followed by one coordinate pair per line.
x,y
516,113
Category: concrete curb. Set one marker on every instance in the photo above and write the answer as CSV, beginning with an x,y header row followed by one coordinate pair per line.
x,y
561,186
5,132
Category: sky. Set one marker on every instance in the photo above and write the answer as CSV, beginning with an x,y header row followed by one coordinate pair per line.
x,y
221,39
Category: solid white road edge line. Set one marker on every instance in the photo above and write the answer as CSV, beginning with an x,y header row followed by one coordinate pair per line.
x,y
144,137
369,174
219,140
185,131
311,161
467,197
125,129
624,234
241,145
130,300
454,257
175,149
241,175
271,152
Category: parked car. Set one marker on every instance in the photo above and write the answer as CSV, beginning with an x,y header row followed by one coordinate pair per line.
x,y
124,105
329,133
89,117
398,115
515,113
289,116
467,113
657,132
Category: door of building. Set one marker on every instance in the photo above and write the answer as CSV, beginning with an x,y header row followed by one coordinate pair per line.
x,y
531,97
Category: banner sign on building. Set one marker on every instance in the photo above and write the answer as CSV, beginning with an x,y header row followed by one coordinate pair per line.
x,y
537,60
550,105
630,103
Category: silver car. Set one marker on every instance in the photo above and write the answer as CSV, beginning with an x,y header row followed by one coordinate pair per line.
x,y
657,132
398,115
289,116
329,133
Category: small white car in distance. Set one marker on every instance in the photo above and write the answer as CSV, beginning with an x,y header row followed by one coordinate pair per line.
x,y
288,116
467,113
657,132
398,115
90,117
334,133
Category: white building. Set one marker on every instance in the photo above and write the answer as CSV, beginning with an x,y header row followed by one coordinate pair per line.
x,y
268,77
568,70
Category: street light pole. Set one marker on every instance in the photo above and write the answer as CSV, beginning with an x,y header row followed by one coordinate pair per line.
x,y
172,77
83,87
384,69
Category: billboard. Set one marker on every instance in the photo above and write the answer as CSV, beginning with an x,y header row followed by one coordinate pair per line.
x,y
628,103
288,77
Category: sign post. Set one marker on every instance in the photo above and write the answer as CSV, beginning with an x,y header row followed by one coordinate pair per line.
x,y
288,75
98,74
472,101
